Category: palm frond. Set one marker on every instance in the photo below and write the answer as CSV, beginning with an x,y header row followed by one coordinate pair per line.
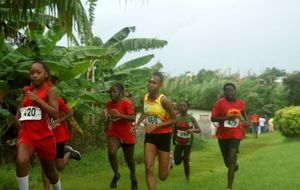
x,y
138,44
119,36
135,63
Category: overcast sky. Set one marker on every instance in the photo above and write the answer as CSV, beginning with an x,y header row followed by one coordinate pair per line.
x,y
232,35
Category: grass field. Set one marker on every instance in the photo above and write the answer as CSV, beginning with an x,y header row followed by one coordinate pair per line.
x,y
270,162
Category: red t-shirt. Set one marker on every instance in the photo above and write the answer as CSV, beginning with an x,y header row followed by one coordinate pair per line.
x,y
61,133
222,108
35,129
121,128
254,119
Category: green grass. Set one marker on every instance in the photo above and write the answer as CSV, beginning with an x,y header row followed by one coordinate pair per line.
x,y
270,162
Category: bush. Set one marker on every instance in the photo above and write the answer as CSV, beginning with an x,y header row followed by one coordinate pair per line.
x,y
287,121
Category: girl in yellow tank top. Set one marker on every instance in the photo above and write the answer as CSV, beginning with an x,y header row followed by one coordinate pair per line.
x,y
155,114
159,116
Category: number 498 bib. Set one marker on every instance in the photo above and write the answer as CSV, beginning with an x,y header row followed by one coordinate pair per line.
x,y
30,113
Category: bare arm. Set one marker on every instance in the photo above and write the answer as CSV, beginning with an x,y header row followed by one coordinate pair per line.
x,y
196,128
107,122
65,117
18,114
222,118
62,119
141,119
17,117
172,116
171,121
51,107
245,116
115,114
142,116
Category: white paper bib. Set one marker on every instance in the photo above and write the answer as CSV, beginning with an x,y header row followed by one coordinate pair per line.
x,y
152,120
231,123
183,134
30,113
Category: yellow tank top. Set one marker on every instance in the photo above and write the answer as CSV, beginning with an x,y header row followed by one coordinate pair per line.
x,y
155,114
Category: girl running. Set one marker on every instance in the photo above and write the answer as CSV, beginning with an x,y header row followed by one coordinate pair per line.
x,y
35,136
118,127
61,133
183,137
228,112
159,117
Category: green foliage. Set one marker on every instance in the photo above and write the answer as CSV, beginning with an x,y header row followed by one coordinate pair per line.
x,y
287,120
291,84
261,94
18,15
275,159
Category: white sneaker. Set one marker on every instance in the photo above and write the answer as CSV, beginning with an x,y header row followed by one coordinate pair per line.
x,y
172,162
74,153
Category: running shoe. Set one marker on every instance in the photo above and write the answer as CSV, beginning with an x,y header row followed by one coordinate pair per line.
x,y
114,181
172,162
236,167
74,153
187,179
134,185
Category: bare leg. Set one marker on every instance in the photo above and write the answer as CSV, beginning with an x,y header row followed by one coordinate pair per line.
x,y
60,165
178,154
46,181
231,162
24,154
50,170
150,152
186,161
163,164
128,151
113,146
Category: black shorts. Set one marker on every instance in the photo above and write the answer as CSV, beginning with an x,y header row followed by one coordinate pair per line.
x,y
60,150
226,144
161,141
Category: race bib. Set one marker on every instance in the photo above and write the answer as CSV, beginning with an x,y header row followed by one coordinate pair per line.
x,y
183,134
231,123
152,120
30,113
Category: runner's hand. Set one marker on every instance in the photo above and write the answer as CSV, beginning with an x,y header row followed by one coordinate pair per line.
x,y
149,127
32,96
54,125
115,115
133,129
190,131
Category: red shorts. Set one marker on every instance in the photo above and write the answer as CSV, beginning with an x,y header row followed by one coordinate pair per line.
x,y
45,148
125,136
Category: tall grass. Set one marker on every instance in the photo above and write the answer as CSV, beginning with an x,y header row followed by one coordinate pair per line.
x,y
270,162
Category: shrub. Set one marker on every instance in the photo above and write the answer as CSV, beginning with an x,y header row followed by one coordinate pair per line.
x,y
287,121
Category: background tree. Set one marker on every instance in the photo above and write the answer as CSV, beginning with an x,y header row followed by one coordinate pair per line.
x,y
291,84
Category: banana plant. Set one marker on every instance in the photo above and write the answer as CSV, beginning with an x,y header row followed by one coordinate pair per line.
x,y
132,72
66,64
70,15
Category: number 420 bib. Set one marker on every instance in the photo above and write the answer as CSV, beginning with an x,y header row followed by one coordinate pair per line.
x,y
30,113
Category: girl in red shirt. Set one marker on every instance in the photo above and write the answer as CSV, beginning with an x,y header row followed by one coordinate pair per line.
x,y
35,136
228,112
118,127
61,133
